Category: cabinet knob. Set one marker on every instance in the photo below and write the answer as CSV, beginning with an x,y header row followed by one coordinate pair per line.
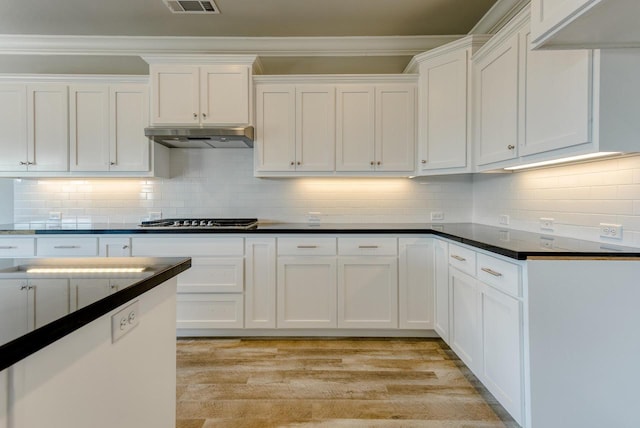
x,y
423,161
204,115
23,287
372,163
299,163
292,163
195,115
511,147
112,163
379,163
25,163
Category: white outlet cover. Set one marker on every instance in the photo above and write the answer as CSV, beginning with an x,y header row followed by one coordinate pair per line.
x,y
125,320
503,219
610,230
437,215
546,223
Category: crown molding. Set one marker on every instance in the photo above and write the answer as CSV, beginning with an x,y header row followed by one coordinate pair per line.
x,y
472,42
499,14
73,78
337,78
263,46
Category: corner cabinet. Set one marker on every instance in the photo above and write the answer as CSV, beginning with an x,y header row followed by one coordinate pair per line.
x,y
576,24
200,89
335,126
444,106
533,106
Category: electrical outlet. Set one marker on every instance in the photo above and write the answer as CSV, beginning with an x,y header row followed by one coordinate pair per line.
x,y
546,223
124,321
503,219
546,243
608,230
55,215
437,216
155,215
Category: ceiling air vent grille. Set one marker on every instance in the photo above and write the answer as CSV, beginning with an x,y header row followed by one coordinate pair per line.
x,y
192,6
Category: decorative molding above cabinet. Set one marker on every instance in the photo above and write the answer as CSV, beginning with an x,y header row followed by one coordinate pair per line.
x,y
335,125
576,24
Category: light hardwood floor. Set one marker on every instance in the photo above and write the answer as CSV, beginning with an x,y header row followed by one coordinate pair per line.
x,y
305,382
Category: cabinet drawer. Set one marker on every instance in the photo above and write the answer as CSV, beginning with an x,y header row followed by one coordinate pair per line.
x,y
17,247
306,246
213,275
501,274
197,311
66,247
367,246
462,258
187,247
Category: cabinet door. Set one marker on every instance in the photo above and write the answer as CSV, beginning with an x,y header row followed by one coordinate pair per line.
x,y
557,98
395,134
129,148
355,125
463,326
50,299
87,291
501,359
213,275
443,112
48,127
306,288
367,292
203,311
260,292
496,103
441,286
224,94
114,247
416,282
275,146
14,309
13,123
315,128
175,93
89,128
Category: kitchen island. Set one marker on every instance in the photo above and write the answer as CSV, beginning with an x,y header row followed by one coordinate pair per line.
x,y
88,342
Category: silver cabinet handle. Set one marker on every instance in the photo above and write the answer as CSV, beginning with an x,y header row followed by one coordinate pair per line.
x,y
23,287
31,287
66,247
24,163
424,161
307,246
7,247
112,163
124,247
490,271
511,147
460,259
368,246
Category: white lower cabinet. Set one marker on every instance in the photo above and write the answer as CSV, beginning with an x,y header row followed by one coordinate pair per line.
x,y
211,293
86,291
464,333
486,319
501,359
17,247
416,283
306,292
367,292
260,283
441,289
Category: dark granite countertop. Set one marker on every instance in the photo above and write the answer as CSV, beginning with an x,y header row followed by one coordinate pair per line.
x,y
508,242
37,309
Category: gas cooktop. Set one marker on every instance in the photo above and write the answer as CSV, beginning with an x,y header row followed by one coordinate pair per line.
x,y
208,223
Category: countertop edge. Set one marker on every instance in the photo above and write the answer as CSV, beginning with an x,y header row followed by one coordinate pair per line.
x,y
28,344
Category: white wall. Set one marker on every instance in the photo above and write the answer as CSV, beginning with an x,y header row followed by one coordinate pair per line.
x,y
578,197
220,183
6,196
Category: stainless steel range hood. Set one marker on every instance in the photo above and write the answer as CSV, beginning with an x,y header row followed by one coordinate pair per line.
x,y
202,137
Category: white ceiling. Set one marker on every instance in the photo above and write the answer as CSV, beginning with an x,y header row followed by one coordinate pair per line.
x,y
238,18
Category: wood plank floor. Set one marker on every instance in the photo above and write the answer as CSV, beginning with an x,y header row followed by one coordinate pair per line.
x,y
305,382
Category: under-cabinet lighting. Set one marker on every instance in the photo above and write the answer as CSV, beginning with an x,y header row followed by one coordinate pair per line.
x,y
87,270
563,160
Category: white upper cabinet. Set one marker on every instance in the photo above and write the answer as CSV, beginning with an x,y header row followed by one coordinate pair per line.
x,y
537,105
395,139
495,87
296,128
106,124
34,123
355,127
585,23
201,90
444,106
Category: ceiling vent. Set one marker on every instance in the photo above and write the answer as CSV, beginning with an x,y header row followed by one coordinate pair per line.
x,y
192,6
